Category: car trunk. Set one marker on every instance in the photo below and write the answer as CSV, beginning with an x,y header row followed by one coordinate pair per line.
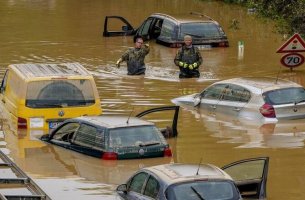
x,y
290,111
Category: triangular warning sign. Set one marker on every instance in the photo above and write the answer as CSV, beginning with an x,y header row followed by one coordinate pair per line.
x,y
293,44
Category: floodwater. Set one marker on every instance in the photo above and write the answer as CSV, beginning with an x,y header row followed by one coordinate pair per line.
x,y
35,31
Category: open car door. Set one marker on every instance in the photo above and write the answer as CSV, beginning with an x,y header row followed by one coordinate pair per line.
x,y
250,176
168,131
117,26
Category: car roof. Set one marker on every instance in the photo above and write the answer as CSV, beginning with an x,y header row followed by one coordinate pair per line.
x,y
41,70
260,84
185,18
114,121
178,172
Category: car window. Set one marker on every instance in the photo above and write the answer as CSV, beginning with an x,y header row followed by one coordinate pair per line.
x,y
209,190
236,93
65,133
157,26
247,171
152,188
137,182
204,30
134,136
57,93
89,136
145,27
284,96
168,31
213,92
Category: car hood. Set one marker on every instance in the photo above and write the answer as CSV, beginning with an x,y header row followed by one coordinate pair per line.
x,y
186,99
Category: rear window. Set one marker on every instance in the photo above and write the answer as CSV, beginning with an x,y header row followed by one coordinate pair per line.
x,y
59,93
200,30
220,190
284,96
135,136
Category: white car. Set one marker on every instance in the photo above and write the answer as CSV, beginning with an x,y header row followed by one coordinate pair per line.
x,y
265,99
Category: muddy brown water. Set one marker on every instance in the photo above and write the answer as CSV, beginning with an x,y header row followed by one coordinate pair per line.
x,y
71,31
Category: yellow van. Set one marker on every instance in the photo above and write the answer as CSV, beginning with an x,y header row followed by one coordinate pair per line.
x,y
40,96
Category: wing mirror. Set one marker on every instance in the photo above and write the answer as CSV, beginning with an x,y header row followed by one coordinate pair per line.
x,y
197,100
126,28
122,188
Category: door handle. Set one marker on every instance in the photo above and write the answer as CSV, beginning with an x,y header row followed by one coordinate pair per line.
x,y
236,109
213,106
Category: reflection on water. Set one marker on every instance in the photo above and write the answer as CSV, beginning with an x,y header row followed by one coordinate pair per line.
x,y
252,134
71,31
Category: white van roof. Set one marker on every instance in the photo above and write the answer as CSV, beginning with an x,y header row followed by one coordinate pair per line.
x,y
50,70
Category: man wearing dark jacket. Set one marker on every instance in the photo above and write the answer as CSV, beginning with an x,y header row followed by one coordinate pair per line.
x,y
188,59
135,58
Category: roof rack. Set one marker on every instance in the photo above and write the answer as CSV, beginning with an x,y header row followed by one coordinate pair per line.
x,y
202,15
15,184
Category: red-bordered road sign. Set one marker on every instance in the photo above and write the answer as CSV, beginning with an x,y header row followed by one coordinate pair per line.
x,y
292,60
293,44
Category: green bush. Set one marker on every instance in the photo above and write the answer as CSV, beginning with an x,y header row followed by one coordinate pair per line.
x,y
289,14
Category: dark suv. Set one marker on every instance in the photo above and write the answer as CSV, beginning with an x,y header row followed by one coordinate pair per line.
x,y
169,31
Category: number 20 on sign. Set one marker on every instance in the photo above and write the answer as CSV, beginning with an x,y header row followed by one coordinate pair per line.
x,y
292,60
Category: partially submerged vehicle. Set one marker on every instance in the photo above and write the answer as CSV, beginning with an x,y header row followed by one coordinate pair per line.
x,y
241,179
40,96
115,137
169,30
262,99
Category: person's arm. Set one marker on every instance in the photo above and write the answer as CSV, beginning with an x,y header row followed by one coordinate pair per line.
x,y
199,57
145,49
178,57
124,57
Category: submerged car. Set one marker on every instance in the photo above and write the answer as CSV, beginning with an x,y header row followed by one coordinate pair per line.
x,y
114,137
170,30
263,99
242,179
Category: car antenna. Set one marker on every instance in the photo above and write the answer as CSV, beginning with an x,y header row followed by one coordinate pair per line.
x,y
197,173
277,76
130,115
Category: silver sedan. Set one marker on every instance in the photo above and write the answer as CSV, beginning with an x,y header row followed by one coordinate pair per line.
x,y
265,99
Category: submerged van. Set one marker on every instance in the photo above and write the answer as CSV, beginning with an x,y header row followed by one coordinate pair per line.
x,y
43,95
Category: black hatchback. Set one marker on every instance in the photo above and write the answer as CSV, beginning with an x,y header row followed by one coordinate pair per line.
x,y
170,30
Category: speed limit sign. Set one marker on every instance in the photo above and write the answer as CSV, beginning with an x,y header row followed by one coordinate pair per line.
x,y
292,60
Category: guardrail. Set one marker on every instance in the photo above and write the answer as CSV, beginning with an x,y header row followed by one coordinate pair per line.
x,y
15,184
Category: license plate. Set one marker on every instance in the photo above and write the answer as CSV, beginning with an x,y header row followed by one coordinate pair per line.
x,y
53,125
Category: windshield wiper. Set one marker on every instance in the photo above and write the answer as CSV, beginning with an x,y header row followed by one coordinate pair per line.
x,y
193,35
148,144
48,105
300,101
196,192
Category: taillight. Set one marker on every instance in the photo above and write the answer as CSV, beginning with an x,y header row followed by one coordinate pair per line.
x,y
22,123
110,156
267,110
167,152
222,44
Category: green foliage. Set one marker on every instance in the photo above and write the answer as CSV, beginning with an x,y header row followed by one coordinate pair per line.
x,y
289,14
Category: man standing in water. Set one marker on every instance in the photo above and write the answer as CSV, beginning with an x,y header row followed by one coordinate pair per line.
x,y
135,58
188,59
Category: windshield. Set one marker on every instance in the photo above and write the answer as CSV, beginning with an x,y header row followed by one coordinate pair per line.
x,y
59,93
207,190
284,96
135,136
200,30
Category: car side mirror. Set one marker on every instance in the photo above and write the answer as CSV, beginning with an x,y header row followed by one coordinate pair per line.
x,y
125,28
45,137
197,100
122,188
